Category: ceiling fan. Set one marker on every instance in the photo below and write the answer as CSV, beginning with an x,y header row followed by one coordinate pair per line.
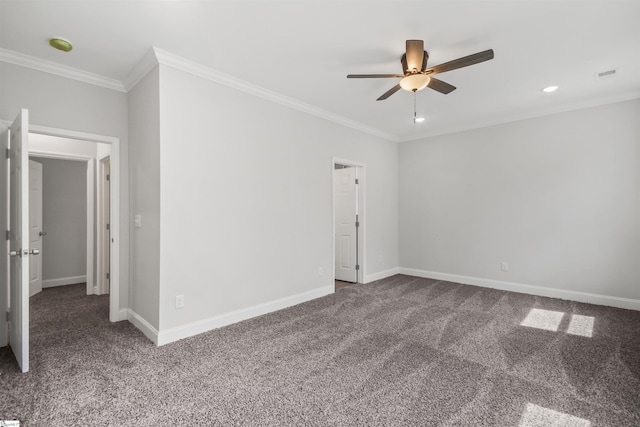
x,y
416,74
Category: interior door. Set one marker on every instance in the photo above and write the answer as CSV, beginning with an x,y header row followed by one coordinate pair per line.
x,y
107,214
345,198
4,243
19,239
105,227
35,227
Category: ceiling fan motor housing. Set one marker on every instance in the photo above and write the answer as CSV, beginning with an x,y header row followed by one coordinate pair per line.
x,y
405,67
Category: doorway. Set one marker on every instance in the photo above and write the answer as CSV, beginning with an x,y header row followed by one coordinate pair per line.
x,y
14,201
348,222
105,148
63,227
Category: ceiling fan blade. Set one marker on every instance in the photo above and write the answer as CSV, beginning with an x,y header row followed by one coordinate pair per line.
x,y
415,55
462,62
389,93
440,86
373,76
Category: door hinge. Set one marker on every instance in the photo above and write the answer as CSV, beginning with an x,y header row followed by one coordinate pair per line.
x,y
108,276
357,267
108,226
357,181
108,177
357,221
8,234
8,316
8,153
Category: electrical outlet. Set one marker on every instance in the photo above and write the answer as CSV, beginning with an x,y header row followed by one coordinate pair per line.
x,y
504,266
179,301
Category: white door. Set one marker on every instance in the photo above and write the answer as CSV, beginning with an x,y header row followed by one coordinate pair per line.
x,y
4,243
35,226
19,239
105,226
345,199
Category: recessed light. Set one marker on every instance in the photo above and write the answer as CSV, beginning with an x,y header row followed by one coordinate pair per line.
x,y
60,44
418,119
550,89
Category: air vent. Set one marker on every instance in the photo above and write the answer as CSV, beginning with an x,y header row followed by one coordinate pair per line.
x,y
608,74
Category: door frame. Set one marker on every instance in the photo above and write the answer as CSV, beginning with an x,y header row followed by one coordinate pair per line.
x,y
362,217
90,205
114,211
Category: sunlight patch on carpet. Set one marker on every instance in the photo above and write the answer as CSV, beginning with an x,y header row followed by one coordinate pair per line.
x,y
543,319
581,325
537,416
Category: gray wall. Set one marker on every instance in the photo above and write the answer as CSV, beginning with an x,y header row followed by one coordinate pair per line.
x,y
246,205
63,103
558,197
64,218
144,131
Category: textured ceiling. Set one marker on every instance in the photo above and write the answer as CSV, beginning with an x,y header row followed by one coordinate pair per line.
x,y
305,49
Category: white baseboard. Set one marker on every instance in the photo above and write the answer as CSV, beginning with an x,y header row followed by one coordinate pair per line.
x,y
195,328
381,275
63,281
146,328
628,303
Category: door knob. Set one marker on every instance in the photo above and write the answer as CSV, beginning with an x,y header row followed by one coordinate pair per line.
x,y
34,251
42,233
16,253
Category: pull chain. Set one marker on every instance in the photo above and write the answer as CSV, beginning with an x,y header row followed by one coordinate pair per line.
x,y
416,119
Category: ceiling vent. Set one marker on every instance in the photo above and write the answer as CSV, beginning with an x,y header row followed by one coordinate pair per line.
x,y
608,74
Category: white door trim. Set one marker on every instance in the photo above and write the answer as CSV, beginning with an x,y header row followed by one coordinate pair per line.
x,y
90,205
362,230
114,295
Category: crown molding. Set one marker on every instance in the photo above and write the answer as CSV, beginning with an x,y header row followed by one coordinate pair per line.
x,y
173,61
628,96
59,70
157,56
142,68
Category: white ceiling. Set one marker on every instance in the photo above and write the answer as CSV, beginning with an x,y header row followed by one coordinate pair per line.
x,y
305,49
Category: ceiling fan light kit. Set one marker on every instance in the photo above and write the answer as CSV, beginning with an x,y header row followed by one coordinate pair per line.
x,y
414,82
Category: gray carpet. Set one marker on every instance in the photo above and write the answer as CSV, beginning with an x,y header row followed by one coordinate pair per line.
x,y
400,351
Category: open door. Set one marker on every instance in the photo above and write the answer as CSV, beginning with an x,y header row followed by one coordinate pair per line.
x,y
35,226
4,243
345,203
19,239
104,225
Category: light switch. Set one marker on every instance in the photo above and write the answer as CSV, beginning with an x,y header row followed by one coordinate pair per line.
x,y
137,221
